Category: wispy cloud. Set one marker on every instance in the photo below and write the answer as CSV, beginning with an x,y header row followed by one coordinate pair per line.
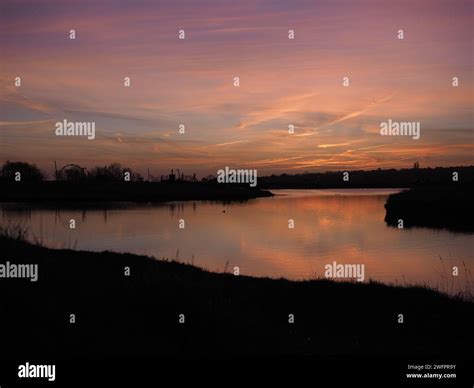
x,y
283,82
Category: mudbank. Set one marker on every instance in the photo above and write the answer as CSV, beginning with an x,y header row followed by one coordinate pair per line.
x,y
57,191
449,207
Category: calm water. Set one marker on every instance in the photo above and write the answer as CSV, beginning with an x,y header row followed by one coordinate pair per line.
x,y
346,226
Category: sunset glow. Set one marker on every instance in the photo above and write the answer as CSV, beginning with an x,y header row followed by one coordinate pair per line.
x,y
282,82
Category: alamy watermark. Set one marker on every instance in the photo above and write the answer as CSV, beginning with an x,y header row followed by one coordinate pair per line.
x,y
37,371
345,271
400,128
22,271
231,175
75,128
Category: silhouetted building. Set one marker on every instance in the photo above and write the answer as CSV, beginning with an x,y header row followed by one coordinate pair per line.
x,y
171,177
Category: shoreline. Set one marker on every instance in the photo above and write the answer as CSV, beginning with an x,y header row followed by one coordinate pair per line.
x,y
447,207
225,314
88,192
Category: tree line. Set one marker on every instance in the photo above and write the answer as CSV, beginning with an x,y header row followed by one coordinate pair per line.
x,y
28,172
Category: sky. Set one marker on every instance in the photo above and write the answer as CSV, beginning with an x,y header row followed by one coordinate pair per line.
x,y
283,82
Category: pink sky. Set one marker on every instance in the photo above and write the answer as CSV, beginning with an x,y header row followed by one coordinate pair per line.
x,y
282,82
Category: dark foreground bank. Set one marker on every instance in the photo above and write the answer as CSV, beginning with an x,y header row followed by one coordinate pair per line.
x,y
224,315
443,206
57,191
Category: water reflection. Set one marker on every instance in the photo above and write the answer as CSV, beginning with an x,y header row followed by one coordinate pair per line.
x,y
346,226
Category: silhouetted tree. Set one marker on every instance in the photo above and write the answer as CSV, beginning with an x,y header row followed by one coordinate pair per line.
x,y
208,178
134,176
28,172
98,174
73,174
113,172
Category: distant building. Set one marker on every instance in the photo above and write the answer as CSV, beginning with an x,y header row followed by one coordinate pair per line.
x,y
171,177
416,166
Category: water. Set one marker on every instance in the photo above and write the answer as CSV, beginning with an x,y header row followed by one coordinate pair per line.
x,y
346,226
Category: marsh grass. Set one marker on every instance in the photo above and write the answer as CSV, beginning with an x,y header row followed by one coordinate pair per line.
x,y
16,232
19,232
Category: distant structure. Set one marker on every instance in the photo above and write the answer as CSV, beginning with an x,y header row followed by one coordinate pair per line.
x,y
172,176
69,172
178,177
416,166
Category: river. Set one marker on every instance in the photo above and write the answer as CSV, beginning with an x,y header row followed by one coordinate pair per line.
x,y
342,226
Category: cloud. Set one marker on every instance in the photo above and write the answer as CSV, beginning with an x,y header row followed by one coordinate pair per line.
x,y
283,82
